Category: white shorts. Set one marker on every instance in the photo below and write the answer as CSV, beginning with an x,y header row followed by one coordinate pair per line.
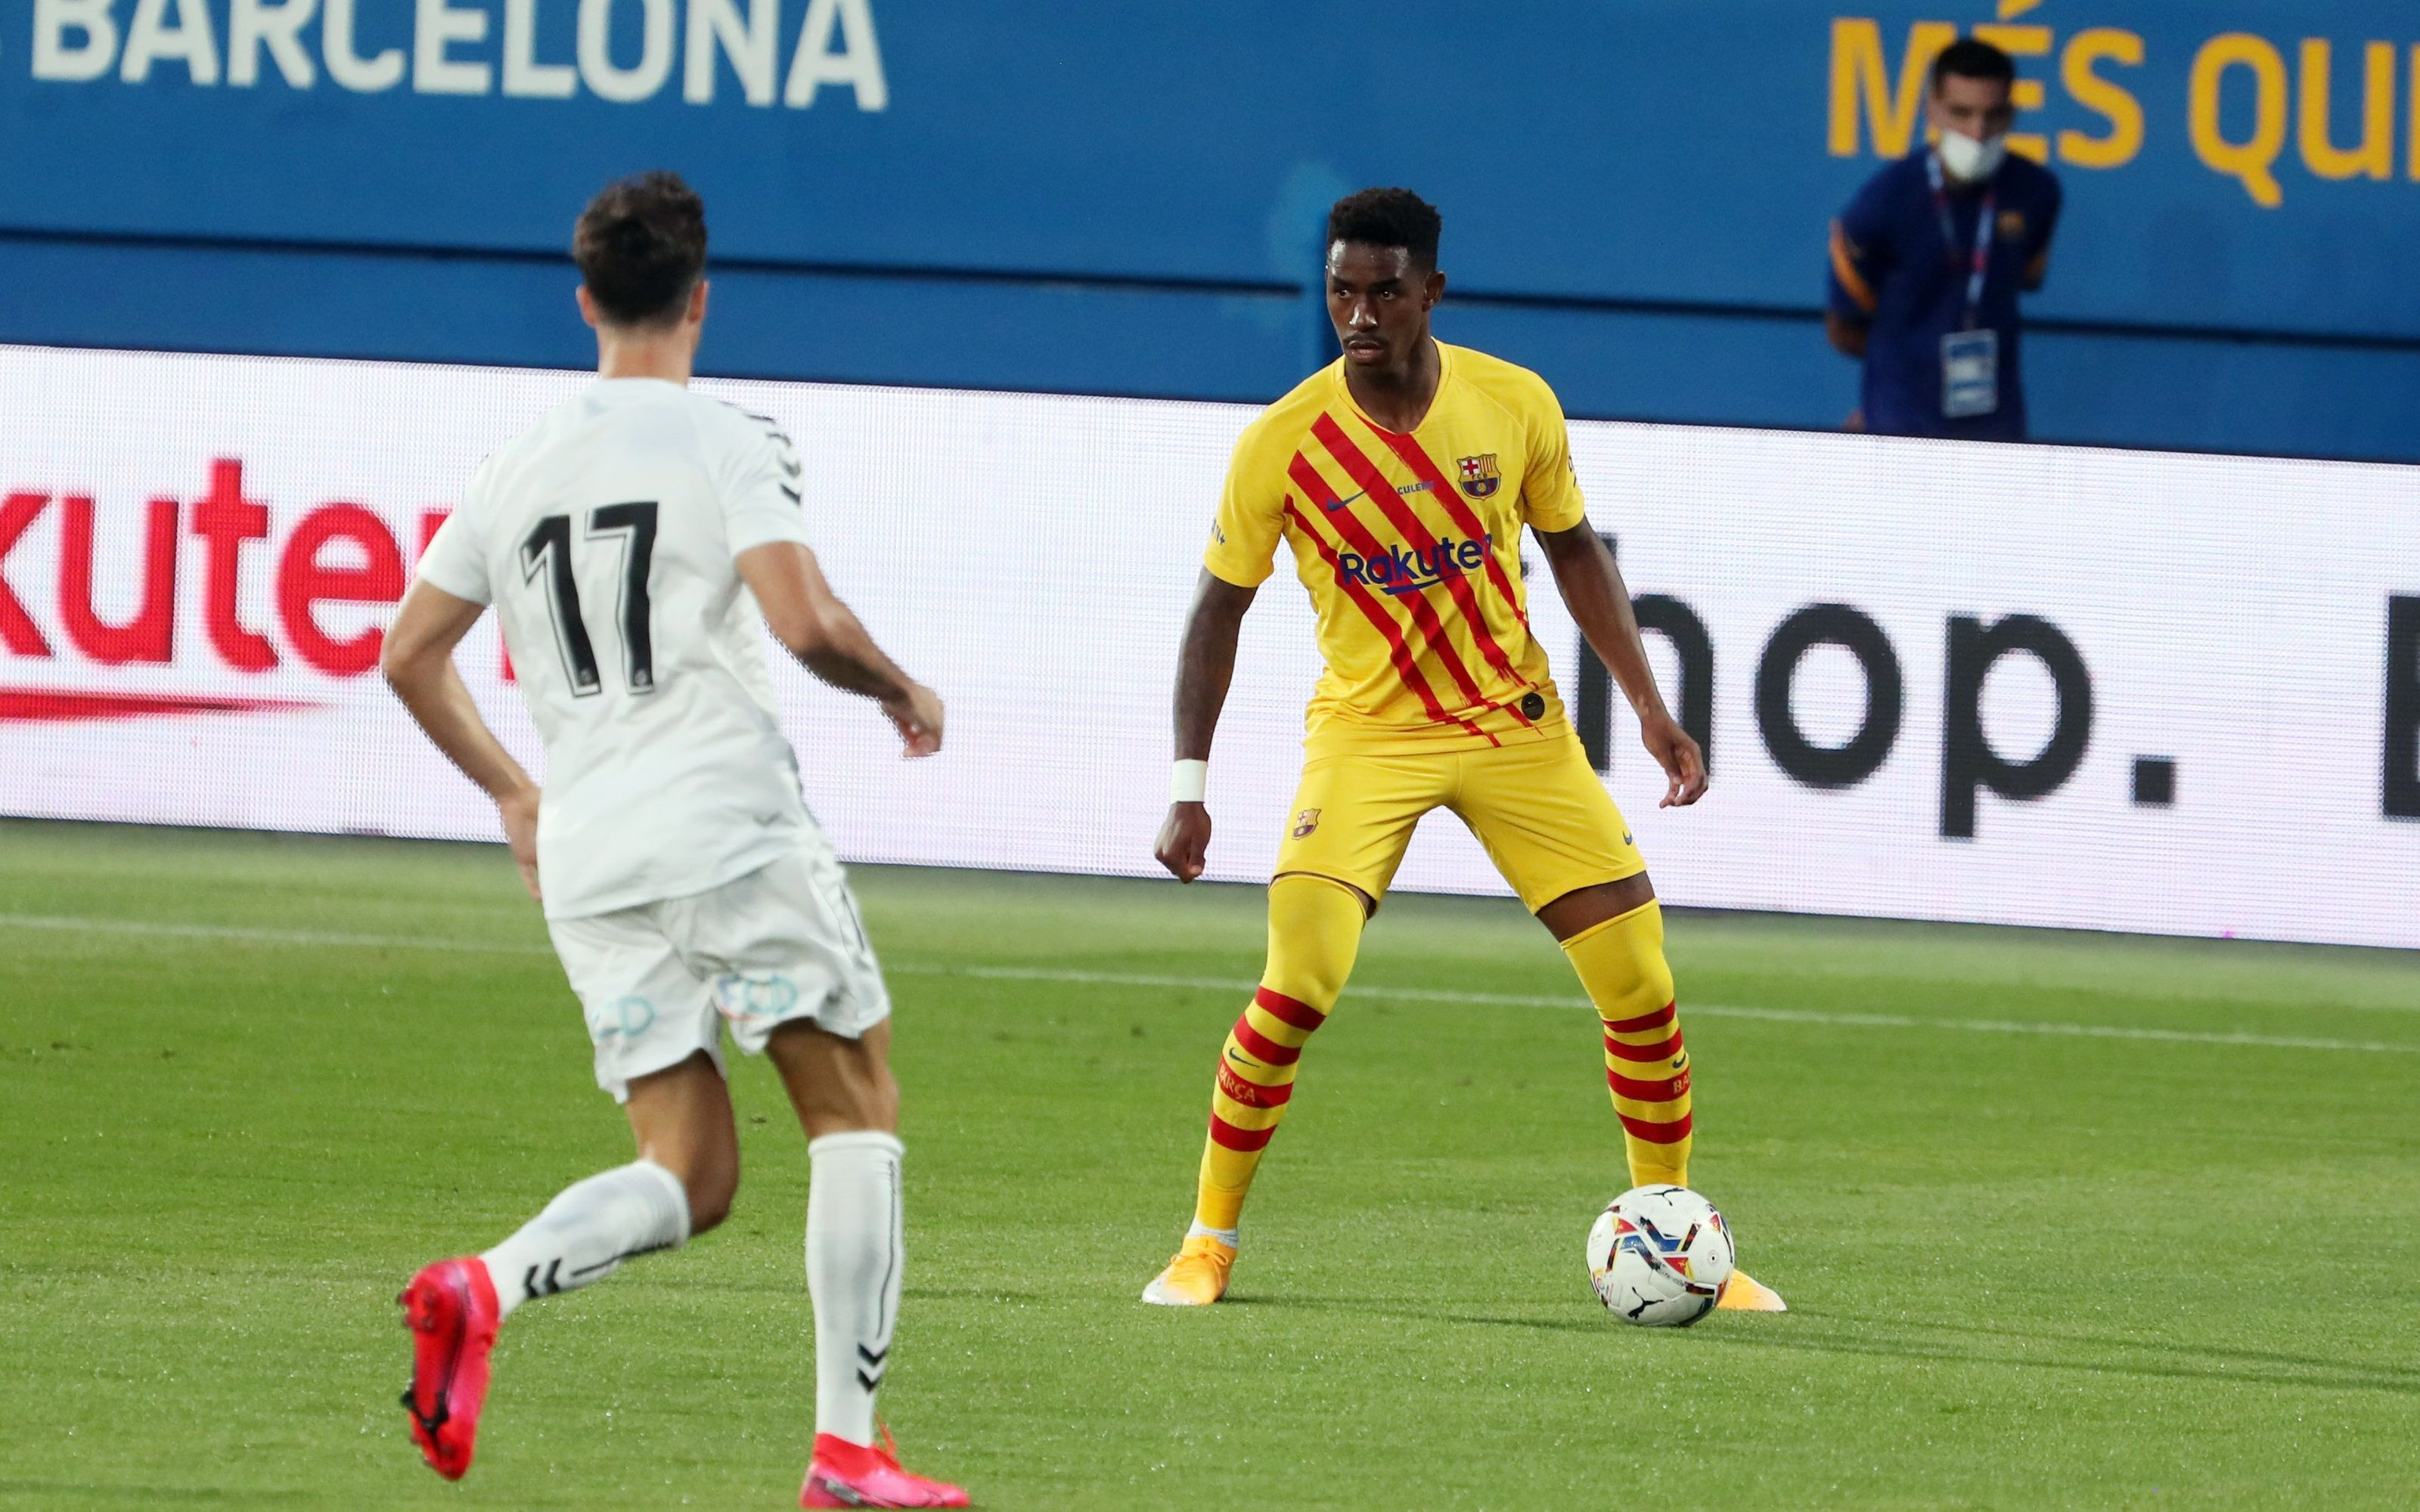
x,y
657,982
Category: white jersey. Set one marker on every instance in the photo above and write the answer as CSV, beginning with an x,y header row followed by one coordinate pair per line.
x,y
605,536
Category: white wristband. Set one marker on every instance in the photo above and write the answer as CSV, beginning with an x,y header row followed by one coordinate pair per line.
x,y
1187,781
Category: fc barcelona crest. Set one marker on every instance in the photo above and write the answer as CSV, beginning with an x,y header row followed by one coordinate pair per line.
x,y
1304,823
1480,476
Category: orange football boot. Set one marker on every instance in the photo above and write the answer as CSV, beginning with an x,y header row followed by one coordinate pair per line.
x,y
1195,1277
1742,1294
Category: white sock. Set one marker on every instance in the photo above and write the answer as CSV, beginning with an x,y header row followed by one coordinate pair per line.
x,y
855,1257
588,1230
1224,1236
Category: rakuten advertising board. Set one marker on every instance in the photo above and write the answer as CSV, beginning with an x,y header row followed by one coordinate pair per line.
x,y
2018,684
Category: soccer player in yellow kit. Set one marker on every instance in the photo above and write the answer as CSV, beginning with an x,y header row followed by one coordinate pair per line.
x,y
1400,477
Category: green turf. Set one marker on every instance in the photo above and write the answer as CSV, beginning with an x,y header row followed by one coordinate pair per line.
x,y
2030,1269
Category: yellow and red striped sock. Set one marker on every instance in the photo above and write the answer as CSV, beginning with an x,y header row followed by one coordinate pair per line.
x,y
1621,963
1314,933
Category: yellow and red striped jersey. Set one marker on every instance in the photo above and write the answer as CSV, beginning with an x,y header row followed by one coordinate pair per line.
x,y
1410,545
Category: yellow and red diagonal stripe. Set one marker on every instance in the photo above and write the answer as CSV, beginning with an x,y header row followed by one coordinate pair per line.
x,y
1425,468
1349,527
1405,660
1358,467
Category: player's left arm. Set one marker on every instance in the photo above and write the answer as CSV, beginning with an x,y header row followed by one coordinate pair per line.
x,y
418,661
1593,591
1553,507
764,522
1860,254
831,641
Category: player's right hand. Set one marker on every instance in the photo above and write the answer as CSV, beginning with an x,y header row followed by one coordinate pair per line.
x,y
1184,841
918,718
519,811
1676,752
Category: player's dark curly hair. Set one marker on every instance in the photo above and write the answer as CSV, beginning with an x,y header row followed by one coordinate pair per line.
x,y
640,246
1971,57
1387,218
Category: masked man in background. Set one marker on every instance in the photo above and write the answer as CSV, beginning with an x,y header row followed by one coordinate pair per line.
x,y
1929,257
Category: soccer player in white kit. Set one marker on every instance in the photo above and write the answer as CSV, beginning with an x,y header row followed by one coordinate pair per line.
x,y
629,542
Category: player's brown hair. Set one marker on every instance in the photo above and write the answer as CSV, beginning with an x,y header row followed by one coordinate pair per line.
x,y
1389,218
641,247
1971,57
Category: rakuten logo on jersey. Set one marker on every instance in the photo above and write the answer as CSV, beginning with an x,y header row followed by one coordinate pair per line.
x,y
336,555
1405,571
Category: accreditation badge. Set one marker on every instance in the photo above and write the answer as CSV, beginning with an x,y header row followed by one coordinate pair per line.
x,y
1970,374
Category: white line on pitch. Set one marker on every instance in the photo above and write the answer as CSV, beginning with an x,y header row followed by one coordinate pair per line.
x,y
1224,984
261,936
1776,1015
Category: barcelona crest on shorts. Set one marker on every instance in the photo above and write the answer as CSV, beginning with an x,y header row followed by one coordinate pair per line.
x,y
1480,476
1304,823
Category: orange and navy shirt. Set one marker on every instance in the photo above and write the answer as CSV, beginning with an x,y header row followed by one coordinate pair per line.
x,y
1410,544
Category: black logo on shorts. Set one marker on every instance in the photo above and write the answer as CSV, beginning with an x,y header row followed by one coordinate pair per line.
x,y
1533,705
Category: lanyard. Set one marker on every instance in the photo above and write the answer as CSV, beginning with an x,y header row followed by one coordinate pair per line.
x,y
1983,222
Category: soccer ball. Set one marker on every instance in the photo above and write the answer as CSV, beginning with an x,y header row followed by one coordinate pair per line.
x,y
1658,1256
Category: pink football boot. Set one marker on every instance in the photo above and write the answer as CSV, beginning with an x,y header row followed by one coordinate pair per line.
x,y
450,1309
863,1474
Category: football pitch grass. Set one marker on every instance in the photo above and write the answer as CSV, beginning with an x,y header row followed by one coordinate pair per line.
x,y
2065,1221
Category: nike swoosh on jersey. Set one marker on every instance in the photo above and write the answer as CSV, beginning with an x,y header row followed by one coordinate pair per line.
x,y
1342,502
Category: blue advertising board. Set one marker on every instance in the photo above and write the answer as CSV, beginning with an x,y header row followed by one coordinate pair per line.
x,y
2232,167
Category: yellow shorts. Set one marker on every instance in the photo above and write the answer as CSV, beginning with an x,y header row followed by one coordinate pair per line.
x,y
1541,811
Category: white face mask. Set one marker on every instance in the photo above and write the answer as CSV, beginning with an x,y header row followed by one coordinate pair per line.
x,y
1970,162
